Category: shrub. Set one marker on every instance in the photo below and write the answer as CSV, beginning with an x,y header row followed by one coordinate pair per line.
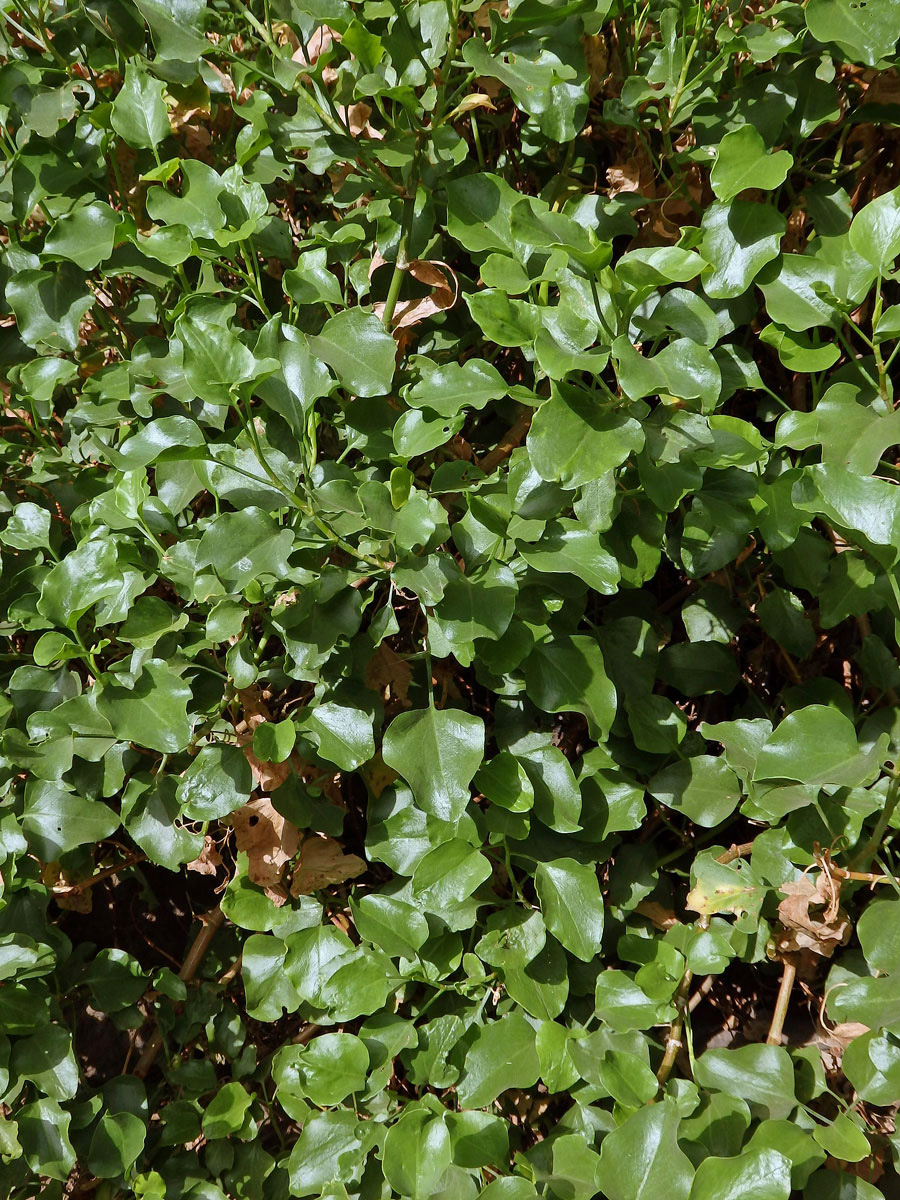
x,y
450,549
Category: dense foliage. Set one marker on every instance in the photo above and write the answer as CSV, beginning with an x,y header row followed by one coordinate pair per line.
x,y
451,574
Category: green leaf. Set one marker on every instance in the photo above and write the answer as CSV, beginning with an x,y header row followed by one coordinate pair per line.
x,y
49,305
875,230
437,751
503,1055
43,1129
241,546
56,821
268,988
416,1153
359,351
151,819
476,605
85,235
743,162
754,1175
571,905
702,787
153,712
198,209
817,745
273,741
542,84
739,238
139,113
478,212
477,1139
447,389
331,1148
879,937
343,734
175,25
393,925
329,1069
216,783
843,1139
573,440
641,1160
567,548
761,1075
448,874
226,1111
116,1143
48,1061
216,363
866,32
28,528
872,1064
502,320
568,675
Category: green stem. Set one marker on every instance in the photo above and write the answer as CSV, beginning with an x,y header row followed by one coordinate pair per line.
x,y
862,860
401,262
876,346
293,498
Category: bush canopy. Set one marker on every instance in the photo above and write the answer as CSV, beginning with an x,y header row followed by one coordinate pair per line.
x,y
451,584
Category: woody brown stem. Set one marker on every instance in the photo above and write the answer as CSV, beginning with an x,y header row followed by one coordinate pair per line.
x,y
212,923
75,889
781,1004
673,1041
513,437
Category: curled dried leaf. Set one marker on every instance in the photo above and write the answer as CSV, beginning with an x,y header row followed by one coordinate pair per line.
x,y
269,840
445,290
323,862
811,917
208,860
389,674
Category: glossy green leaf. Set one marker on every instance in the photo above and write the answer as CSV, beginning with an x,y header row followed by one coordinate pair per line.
x,y
571,905
502,1056
354,344
438,752
756,1175
742,162
641,1159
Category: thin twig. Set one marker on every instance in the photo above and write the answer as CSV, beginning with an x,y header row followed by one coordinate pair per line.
x,y
872,846
703,990
673,1041
212,923
233,971
306,1034
781,1004
75,889
733,852
513,437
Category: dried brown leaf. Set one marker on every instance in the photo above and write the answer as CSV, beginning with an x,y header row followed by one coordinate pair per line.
x,y
803,926
389,674
320,40
208,860
323,862
269,841
436,275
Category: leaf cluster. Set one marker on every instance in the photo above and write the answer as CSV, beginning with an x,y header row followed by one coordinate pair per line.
x,y
450,545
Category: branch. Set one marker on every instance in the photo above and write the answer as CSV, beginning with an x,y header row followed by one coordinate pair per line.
x,y
513,437
781,1004
212,923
